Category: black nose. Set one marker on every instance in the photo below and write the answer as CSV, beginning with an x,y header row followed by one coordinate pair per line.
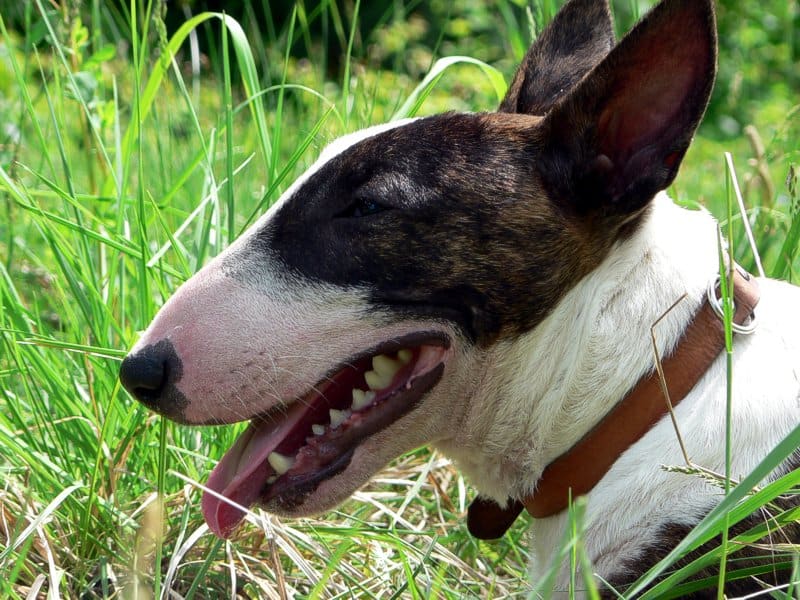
x,y
150,376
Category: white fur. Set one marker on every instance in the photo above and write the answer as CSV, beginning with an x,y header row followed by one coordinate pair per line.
x,y
545,390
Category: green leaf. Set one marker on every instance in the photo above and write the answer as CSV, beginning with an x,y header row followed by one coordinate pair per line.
x,y
83,86
104,54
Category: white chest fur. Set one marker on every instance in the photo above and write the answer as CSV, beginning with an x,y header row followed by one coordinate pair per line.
x,y
546,389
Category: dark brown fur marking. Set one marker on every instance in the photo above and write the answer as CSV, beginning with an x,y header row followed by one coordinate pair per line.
x,y
467,233
487,220
748,556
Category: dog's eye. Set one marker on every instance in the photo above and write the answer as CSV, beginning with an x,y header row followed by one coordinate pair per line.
x,y
363,207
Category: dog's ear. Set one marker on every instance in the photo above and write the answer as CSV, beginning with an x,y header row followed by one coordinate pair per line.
x,y
618,138
579,36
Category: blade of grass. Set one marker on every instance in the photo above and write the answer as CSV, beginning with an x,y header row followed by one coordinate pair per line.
x,y
712,524
227,107
245,61
417,97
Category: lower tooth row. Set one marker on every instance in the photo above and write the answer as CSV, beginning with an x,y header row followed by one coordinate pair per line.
x,y
376,379
279,462
338,417
362,398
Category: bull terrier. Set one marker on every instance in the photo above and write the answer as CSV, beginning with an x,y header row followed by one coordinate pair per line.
x,y
487,284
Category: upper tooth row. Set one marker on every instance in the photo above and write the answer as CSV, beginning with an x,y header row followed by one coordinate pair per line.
x,y
384,369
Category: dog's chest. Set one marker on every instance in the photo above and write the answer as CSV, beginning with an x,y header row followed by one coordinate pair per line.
x,y
639,511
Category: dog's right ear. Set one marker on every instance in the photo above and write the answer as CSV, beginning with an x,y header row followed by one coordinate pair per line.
x,y
578,38
619,137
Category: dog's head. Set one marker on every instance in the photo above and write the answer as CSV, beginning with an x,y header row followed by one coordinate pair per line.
x,y
354,321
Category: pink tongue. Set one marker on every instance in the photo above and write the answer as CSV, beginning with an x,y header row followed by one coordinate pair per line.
x,y
242,473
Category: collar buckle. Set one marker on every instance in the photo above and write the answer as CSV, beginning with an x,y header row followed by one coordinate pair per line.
x,y
715,302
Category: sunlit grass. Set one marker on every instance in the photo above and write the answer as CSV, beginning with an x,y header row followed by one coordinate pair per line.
x,y
121,172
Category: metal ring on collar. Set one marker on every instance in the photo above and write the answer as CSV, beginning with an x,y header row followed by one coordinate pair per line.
x,y
716,305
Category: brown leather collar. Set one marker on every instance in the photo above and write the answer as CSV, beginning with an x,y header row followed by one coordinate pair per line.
x,y
578,470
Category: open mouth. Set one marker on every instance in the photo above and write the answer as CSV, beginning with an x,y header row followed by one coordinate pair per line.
x,y
286,453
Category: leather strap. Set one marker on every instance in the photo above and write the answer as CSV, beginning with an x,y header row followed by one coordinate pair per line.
x,y
486,520
579,469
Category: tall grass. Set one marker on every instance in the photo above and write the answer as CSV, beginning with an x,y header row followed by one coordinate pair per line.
x,y
123,168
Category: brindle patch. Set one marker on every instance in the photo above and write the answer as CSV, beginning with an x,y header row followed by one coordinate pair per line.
x,y
464,232
488,220
747,557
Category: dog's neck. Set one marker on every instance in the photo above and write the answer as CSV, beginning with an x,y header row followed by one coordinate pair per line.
x,y
547,388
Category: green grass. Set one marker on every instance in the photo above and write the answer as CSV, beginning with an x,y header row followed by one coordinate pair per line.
x,y
122,172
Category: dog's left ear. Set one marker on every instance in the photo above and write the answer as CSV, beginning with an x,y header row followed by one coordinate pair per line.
x,y
618,138
579,36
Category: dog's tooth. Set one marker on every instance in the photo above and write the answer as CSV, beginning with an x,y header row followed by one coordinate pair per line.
x,y
376,381
279,462
405,355
318,429
362,398
372,379
384,366
272,479
338,417
358,399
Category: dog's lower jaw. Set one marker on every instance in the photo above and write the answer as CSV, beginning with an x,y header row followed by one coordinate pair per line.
x,y
439,416
286,454
415,429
